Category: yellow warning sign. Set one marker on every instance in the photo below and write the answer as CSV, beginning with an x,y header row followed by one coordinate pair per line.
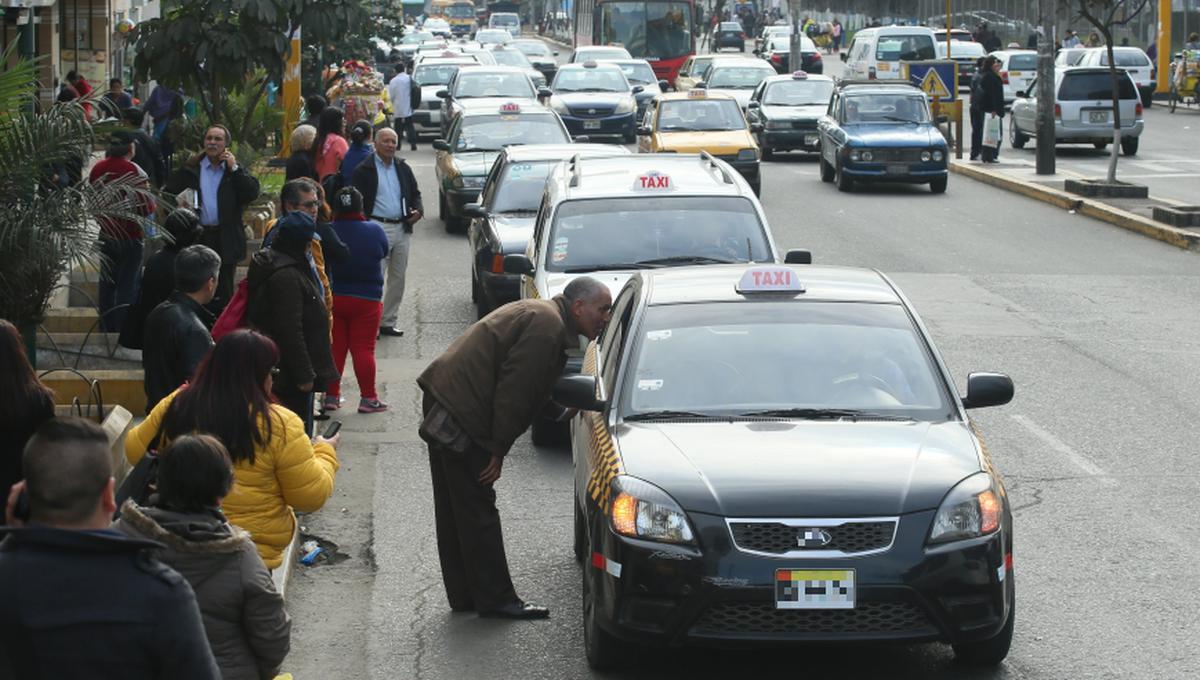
x,y
933,86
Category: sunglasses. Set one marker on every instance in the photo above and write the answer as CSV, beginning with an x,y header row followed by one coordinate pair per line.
x,y
275,372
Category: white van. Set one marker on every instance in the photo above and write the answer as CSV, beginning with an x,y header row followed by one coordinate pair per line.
x,y
875,53
509,21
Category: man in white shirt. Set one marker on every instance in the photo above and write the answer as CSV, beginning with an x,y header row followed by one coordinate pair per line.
x,y
400,93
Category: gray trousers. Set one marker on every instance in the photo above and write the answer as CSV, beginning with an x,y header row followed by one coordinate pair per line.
x,y
397,264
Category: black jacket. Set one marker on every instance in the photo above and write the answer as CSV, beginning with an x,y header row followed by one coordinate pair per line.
x,y
148,156
299,165
286,306
177,338
96,605
366,180
236,191
991,94
158,282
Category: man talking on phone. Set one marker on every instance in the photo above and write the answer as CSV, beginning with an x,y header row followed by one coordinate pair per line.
x,y
391,198
223,189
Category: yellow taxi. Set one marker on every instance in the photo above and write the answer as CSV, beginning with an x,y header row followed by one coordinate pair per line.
x,y
697,120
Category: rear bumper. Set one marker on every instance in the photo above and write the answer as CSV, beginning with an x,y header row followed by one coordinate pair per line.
x,y
426,121
1072,133
805,139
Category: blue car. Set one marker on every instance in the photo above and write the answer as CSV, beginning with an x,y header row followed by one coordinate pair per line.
x,y
596,101
876,132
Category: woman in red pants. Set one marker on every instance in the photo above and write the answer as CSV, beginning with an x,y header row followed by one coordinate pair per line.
x,y
357,299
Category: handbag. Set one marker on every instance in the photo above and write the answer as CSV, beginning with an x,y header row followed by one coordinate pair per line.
x,y
142,480
991,131
233,316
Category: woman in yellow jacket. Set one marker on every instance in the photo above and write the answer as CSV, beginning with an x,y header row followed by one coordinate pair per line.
x,y
276,467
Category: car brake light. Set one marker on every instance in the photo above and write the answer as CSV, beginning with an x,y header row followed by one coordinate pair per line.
x,y
871,73
1137,111
777,58
1058,110
816,56
1004,77
497,263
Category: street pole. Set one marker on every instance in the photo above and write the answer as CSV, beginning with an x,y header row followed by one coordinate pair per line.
x,y
291,93
1045,89
1163,43
795,61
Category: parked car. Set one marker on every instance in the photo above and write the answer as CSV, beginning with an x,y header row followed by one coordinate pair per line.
x,y
876,53
1134,61
1018,68
965,54
1069,57
1082,110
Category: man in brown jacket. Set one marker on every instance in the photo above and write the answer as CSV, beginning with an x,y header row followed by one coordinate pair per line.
x,y
480,395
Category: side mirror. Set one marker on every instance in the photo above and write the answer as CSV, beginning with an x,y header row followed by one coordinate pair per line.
x,y
1021,94
795,256
577,391
664,85
752,105
701,85
443,94
756,127
644,131
581,139
474,210
556,54
441,145
638,89
987,389
842,55
518,263
544,92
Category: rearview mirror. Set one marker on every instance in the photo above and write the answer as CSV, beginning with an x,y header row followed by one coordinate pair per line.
x,y
443,94
752,105
842,55
756,127
474,210
556,54
1020,94
643,130
518,263
701,85
798,256
637,89
577,391
987,389
440,145
544,92
664,85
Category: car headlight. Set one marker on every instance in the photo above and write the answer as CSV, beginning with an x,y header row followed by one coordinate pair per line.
x,y
778,124
855,155
938,155
627,105
867,156
642,510
468,182
971,509
747,155
558,106
925,156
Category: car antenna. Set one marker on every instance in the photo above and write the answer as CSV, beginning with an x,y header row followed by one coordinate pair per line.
x,y
749,250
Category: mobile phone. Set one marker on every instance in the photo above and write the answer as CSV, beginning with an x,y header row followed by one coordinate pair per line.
x,y
332,429
21,510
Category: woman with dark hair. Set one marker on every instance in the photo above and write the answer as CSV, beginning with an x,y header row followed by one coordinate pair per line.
x,y
247,627
276,466
331,144
360,150
25,403
991,100
158,274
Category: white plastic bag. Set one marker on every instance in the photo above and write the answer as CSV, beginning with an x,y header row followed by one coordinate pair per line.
x,y
991,131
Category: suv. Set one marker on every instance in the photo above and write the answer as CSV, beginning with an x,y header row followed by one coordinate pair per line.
x,y
1134,61
1082,110
507,21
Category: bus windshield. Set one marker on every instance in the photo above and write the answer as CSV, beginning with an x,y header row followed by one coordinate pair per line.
x,y
658,30
463,11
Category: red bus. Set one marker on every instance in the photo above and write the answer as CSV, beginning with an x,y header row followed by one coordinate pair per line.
x,y
659,31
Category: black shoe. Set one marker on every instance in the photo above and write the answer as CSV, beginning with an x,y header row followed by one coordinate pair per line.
x,y
517,610
414,147
390,331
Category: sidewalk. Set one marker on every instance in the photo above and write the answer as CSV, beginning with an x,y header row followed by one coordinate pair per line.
x,y
1135,215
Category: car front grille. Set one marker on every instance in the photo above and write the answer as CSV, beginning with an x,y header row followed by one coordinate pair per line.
x,y
778,538
592,112
896,155
762,618
804,125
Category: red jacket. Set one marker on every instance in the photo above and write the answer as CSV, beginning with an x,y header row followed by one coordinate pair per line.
x,y
113,168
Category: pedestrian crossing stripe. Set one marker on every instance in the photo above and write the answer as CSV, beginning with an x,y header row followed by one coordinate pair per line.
x,y
604,463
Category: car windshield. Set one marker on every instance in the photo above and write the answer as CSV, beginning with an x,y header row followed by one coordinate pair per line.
x,y
461,11
504,20
1131,58
1094,85
492,36
1069,57
434,74
1022,62
697,115
886,108
662,30
731,26
641,74
590,80
520,187
511,58
628,233
492,133
493,85
744,358
904,46
798,93
534,49
416,38
738,77
961,50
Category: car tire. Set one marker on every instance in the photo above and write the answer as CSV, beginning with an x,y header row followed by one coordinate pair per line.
x,y
546,432
603,651
938,186
1129,146
992,651
1100,146
1015,137
475,293
827,172
767,153
844,182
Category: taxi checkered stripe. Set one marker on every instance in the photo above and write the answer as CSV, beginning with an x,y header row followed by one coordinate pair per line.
x,y
603,460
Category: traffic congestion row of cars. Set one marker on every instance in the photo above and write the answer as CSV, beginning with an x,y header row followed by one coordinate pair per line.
x,y
765,451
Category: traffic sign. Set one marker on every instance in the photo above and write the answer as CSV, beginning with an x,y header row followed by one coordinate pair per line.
x,y
933,86
937,78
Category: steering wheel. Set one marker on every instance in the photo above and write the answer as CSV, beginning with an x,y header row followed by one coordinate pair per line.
x,y
855,380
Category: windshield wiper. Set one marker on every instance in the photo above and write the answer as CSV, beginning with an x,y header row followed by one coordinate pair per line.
x,y
616,266
822,414
518,211
687,259
900,120
666,414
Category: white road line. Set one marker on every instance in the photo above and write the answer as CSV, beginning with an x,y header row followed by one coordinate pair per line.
x,y
1081,461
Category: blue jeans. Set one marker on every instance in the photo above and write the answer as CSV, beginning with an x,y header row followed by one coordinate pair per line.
x,y
120,278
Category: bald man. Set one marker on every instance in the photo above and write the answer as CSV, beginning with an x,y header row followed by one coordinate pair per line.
x,y
391,198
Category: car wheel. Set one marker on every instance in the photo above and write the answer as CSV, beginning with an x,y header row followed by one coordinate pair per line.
x,y
938,186
844,182
1100,146
827,171
992,651
630,139
1129,146
767,153
546,432
1015,137
580,547
603,651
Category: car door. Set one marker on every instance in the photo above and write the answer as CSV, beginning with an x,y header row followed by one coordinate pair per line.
x,y
446,108
826,128
754,113
1024,110
646,142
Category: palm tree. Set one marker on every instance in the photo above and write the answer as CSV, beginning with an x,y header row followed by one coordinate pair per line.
x,y
49,219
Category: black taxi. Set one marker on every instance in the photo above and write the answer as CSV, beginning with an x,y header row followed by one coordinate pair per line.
x,y
787,109
777,454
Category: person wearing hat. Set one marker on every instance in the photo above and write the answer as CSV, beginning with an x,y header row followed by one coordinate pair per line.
x,y
121,243
285,304
357,299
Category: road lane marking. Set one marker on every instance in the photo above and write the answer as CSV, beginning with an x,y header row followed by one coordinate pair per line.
x,y
1081,461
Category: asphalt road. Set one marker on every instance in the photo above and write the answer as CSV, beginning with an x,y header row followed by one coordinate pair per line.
x,y
1095,325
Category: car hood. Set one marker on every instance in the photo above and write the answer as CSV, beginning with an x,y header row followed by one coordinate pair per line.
x,y
889,134
475,163
801,468
542,61
429,93
741,96
580,99
717,141
513,230
806,112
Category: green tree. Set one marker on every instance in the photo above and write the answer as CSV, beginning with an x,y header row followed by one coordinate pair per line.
x,y
386,24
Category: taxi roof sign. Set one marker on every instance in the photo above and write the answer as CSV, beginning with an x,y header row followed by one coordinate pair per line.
x,y
799,75
769,279
510,107
653,181
697,93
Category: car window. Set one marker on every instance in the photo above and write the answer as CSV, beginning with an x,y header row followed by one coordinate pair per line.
x,y
615,333
641,74
731,26
492,133
735,358
797,92
590,80
591,234
738,77
906,47
886,108
1127,58
1022,62
699,115
470,85
511,58
534,49
434,74
1085,86
520,186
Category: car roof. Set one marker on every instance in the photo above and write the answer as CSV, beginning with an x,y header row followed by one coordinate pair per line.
x,y
525,153
875,87
497,69
455,61
615,177
484,106
744,62
580,66
717,283
681,96
894,28
788,77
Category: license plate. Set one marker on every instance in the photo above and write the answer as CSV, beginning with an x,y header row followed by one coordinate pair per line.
x,y
896,169
814,589
1014,74
810,139
591,125
1097,116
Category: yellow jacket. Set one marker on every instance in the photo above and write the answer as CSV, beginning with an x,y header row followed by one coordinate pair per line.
x,y
289,472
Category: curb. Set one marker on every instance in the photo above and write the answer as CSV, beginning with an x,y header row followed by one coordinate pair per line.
x,y
1180,238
